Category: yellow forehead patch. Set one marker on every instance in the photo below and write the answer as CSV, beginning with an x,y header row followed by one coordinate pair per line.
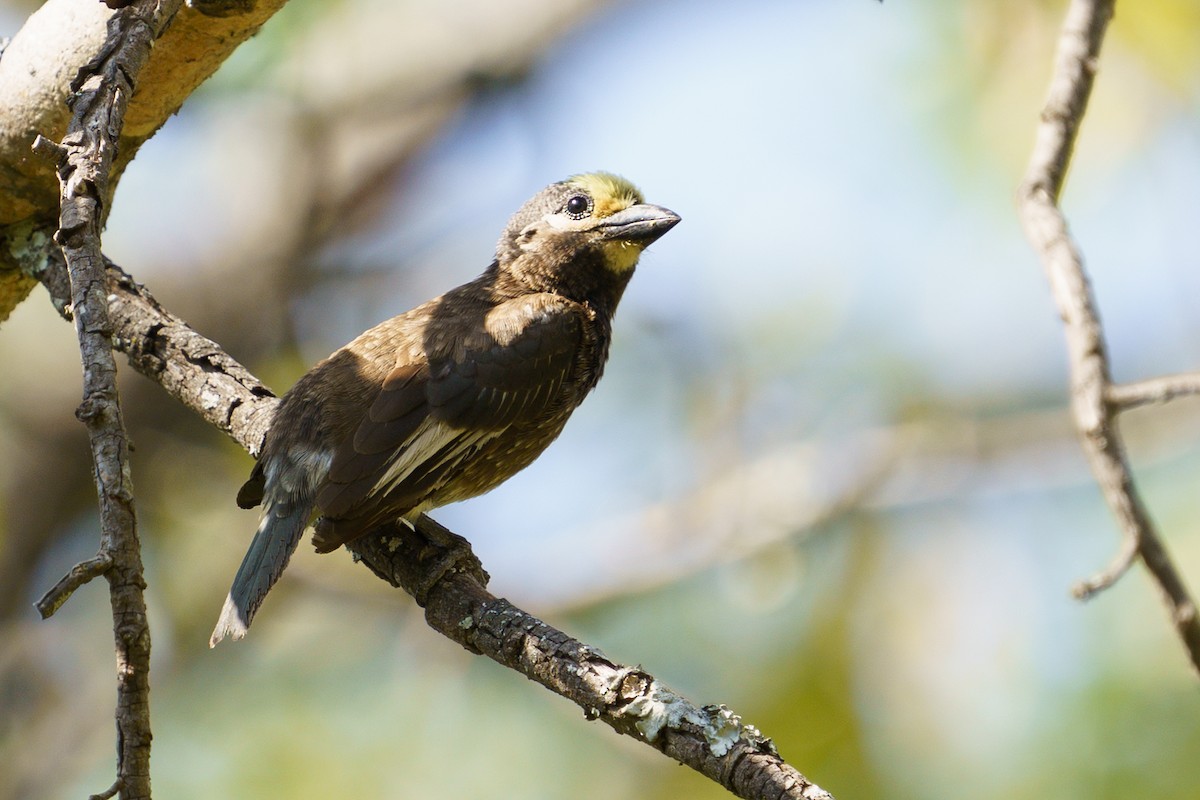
x,y
610,193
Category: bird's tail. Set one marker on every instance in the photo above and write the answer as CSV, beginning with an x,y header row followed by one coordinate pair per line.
x,y
272,546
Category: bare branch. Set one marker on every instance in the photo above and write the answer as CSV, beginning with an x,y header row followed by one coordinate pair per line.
x,y
191,367
1046,228
711,740
111,791
1153,390
81,573
1122,561
85,162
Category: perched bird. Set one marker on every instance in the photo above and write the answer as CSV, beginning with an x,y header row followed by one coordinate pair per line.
x,y
452,398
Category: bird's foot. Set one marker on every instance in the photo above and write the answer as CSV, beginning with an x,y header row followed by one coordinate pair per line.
x,y
418,554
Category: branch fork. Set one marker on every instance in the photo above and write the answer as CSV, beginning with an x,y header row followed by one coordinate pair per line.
x,y
1095,400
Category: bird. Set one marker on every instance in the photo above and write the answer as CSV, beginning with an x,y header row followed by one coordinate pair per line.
x,y
448,400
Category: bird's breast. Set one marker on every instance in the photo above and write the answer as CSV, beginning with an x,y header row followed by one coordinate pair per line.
x,y
501,457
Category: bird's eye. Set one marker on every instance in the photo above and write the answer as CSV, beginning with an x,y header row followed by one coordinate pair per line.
x,y
578,207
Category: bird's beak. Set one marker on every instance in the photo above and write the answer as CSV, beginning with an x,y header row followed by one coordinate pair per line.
x,y
641,223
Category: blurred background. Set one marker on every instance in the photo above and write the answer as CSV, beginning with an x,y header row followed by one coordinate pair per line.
x,y
828,480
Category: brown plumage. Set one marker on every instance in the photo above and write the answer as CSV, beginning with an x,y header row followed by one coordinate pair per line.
x,y
450,399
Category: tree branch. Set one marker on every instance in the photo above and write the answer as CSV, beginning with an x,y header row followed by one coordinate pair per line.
x,y
85,162
1092,393
81,573
1153,390
435,566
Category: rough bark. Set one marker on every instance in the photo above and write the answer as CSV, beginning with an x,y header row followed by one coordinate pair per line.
x,y
83,166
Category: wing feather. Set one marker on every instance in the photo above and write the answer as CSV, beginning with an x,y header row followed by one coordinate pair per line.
x,y
429,419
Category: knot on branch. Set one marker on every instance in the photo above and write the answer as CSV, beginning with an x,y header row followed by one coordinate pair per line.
x,y
94,408
50,150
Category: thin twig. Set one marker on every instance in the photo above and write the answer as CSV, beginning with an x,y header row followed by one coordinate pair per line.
x,y
1125,558
1153,390
111,791
81,573
1091,385
84,162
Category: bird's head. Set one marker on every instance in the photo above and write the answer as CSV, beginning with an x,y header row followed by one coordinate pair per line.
x,y
589,229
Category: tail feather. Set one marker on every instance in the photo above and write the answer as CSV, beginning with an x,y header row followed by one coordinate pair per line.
x,y
272,546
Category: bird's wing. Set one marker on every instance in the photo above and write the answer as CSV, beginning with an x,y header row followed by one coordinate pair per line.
x,y
430,418
252,491
514,371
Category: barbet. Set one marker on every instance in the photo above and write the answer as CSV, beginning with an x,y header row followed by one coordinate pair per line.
x,y
452,398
